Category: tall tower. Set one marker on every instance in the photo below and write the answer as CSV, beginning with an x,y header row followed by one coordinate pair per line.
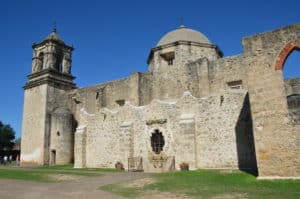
x,y
51,77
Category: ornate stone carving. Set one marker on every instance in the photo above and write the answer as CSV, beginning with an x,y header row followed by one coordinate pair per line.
x,y
157,160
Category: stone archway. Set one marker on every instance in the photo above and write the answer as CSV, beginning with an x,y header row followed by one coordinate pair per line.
x,y
291,84
285,52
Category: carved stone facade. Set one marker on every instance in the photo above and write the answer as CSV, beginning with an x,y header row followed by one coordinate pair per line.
x,y
193,106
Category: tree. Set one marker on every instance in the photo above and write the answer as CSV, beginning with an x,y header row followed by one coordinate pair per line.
x,y
7,136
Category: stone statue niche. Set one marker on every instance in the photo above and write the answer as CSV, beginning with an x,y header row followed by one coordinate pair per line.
x,y
66,63
37,62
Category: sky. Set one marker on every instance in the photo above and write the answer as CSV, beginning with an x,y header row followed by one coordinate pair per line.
x,y
113,38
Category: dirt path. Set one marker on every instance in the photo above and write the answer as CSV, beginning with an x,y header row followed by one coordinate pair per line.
x,y
79,189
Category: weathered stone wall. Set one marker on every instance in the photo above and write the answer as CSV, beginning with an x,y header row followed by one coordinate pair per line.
x,y
190,127
170,81
33,127
40,101
61,137
277,144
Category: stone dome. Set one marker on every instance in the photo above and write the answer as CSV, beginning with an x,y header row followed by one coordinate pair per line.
x,y
183,34
54,37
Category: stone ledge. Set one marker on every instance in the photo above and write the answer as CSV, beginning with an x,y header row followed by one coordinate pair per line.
x,y
277,178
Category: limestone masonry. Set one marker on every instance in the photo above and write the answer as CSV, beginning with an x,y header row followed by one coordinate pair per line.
x,y
193,106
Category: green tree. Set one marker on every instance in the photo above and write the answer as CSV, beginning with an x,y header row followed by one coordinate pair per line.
x,y
7,136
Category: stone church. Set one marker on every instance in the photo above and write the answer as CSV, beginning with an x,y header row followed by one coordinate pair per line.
x,y
192,106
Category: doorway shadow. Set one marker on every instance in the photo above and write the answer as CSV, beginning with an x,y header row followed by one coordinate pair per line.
x,y
245,140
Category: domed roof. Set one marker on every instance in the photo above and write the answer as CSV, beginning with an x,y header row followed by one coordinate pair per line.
x,y
183,34
54,37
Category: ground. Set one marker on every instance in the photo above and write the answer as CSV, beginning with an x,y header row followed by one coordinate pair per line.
x,y
65,182
77,187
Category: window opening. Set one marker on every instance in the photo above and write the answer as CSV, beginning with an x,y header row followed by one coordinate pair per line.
x,y
157,141
168,57
235,85
120,102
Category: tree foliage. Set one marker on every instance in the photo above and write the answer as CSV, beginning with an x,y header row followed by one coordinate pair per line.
x,y
7,136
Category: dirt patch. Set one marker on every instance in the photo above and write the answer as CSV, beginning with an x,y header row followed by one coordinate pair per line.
x,y
140,183
231,196
63,177
163,195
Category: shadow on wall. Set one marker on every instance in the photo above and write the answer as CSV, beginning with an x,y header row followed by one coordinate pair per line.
x,y
74,127
245,140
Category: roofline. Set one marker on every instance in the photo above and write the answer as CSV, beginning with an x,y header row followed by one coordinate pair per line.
x,y
182,42
34,45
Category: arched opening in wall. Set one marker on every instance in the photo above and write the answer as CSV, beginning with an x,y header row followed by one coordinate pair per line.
x,y
157,141
291,65
291,75
58,64
40,61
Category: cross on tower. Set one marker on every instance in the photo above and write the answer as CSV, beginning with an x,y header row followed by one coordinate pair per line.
x,y
54,26
181,20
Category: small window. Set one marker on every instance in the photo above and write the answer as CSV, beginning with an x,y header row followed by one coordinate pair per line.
x,y
235,85
168,57
293,101
157,141
120,102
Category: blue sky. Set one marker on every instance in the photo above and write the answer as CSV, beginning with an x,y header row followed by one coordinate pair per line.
x,y
113,38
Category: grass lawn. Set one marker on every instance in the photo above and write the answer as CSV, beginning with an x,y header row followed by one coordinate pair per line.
x,y
208,184
44,173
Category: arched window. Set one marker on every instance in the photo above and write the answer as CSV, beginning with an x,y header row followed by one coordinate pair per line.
x,y
289,62
40,63
291,68
58,64
157,141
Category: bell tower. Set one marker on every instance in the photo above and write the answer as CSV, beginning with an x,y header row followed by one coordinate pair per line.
x,y
50,77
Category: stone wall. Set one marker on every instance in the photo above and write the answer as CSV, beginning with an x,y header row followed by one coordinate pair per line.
x,y
190,126
189,71
276,141
34,121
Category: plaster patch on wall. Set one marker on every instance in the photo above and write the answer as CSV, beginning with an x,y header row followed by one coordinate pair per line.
x,y
35,155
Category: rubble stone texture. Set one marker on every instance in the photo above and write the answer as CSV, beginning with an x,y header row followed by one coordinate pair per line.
x,y
214,112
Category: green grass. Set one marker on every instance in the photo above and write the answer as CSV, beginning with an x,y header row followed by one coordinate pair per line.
x,y
40,175
23,175
207,184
